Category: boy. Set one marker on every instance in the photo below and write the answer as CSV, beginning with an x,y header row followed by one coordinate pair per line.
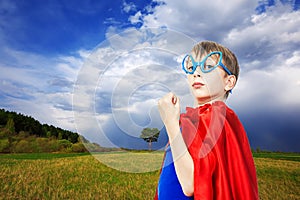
x,y
208,156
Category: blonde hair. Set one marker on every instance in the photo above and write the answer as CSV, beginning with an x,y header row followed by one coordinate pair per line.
x,y
229,58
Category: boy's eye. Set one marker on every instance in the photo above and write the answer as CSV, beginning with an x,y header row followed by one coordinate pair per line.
x,y
209,66
190,68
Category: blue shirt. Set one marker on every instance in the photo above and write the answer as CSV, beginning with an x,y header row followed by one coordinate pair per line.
x,y
169,187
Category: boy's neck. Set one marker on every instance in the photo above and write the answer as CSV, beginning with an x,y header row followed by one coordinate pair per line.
x,y
211,101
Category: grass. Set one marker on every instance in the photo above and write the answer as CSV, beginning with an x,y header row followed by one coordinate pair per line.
x,y
278,175
79,177
278,156
82,176
44,156
133,162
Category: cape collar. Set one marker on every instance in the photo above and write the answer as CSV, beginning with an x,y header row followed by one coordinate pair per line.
x,y
194,113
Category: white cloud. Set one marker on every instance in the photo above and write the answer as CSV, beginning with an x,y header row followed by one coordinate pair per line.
x,y
274,88
267,34
127,7
200,19
130,72
268,41
136,18
111,21
40,86
32,69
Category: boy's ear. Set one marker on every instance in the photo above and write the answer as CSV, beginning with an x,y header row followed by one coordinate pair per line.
x,y
230,82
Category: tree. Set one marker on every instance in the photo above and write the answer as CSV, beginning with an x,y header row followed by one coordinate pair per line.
x,y
150,135
10,131
10,126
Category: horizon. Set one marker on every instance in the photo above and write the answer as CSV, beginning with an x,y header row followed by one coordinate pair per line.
x,y
256,150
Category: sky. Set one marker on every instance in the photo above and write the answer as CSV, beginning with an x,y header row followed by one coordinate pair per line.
x,y
99,67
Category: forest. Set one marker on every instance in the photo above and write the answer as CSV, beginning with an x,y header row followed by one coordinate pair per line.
x,y
24,134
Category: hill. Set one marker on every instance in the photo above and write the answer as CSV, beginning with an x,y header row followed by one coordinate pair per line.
x,y
24,134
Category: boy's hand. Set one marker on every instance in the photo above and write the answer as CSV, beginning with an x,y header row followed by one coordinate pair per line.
x,y
169,109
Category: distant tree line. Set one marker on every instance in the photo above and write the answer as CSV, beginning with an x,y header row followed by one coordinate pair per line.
x,y
33,127
24,134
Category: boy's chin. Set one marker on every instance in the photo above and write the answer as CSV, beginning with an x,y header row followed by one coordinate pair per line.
x,y
201,98
199,94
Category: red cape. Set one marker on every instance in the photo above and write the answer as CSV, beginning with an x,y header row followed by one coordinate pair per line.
x,y
223,162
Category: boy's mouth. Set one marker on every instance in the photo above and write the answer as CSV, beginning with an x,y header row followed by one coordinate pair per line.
x,y
197,85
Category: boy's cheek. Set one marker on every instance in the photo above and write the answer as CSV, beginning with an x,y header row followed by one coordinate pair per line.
x,y
213,77
190,80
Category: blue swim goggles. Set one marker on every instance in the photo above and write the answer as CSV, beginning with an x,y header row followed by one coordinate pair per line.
x,y
206,65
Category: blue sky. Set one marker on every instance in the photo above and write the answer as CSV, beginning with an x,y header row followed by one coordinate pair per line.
x,y
92,66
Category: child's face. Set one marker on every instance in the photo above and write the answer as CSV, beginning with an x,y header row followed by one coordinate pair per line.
x,y
207,87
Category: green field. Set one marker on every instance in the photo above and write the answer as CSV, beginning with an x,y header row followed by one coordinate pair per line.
x,y
83,176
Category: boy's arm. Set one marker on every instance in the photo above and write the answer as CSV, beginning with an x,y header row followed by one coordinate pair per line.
x,y
184,166
183,162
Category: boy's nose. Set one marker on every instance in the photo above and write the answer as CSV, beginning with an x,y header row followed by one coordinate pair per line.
x,y
197,73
